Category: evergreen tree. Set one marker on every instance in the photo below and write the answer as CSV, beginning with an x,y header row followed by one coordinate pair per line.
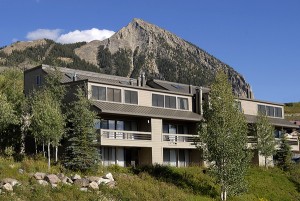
x,y
80,153
223,137
284,154
265,137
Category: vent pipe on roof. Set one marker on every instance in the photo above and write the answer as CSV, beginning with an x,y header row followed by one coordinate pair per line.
x,y
143,81
75,77
131,82
190,89
139,81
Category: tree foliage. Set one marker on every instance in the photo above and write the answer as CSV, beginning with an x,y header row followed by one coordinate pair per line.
x,y
80,153
283,155
223,137
265,137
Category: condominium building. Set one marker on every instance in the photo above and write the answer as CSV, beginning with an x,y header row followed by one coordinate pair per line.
x,y
150,121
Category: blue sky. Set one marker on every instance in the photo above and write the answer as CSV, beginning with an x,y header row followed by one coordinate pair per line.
x,y
258,38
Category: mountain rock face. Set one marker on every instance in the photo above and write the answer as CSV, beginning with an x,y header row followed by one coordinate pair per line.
x,y
138,47
144,47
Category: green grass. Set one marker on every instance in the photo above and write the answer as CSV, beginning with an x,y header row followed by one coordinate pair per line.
x,y
151,183
292,111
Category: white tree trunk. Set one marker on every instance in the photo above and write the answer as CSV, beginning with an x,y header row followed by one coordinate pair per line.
x,y
223,194
22,148
49,156
56,151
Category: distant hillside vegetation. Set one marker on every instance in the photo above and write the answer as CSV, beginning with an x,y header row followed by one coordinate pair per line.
x,y
292,111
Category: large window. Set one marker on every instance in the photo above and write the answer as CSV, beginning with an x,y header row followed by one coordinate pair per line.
x,y
114,95
270,111
183,103
157,100
98,93
170,102
131,97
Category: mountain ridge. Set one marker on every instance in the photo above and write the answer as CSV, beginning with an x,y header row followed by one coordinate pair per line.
x,y
138,47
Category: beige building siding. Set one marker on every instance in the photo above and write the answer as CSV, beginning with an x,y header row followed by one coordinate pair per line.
x,y
251,107
144,96
157,150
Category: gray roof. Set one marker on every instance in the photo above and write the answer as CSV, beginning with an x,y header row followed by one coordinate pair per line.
x,y
173,86
273,121
134,110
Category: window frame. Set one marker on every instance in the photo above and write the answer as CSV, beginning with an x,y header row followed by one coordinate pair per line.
x,y
130,96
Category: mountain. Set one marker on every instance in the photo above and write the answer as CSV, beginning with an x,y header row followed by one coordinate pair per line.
x,y
138,47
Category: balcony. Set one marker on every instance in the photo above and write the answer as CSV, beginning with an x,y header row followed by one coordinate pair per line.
x,y
184,140
125,138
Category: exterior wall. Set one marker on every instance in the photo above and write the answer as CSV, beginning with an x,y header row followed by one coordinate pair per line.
x,y
144,95
157,149
251,106
30,79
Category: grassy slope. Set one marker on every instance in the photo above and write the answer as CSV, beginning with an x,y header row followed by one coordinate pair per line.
x,y
292,111
159,183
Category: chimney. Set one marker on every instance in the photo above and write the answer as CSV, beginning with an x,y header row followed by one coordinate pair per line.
x,y
199,102
131,81
139,81
75,77
190,89
143,81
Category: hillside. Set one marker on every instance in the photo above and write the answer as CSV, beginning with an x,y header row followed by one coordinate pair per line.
x,y
138,47
149,183
292,111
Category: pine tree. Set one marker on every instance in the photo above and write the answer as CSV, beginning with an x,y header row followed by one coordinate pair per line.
x,y
223,137
284,155
80,153
265,137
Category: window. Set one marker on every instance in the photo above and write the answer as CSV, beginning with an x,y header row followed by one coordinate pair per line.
x,y
270,111
157,100
38,80
170,102
113,95
98,93
183,103
131,97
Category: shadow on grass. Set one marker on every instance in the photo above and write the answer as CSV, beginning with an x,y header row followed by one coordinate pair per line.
x,y
184,179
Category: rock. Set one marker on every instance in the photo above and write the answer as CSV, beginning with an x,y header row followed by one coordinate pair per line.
x,y
83,189
43,182
75,177
108,176
93,185
82,182
60,176
52,179
103,181
66,180
92,178
39,175
21,171
111,184
53,185
10,181
7,187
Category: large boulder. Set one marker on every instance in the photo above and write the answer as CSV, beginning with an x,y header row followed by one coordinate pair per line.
x,y
75,177
61,176
82,182
66,180
103,181
52,179
39,175
10,181
42,182
93,185
108,176
7,187
111,184
92,178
